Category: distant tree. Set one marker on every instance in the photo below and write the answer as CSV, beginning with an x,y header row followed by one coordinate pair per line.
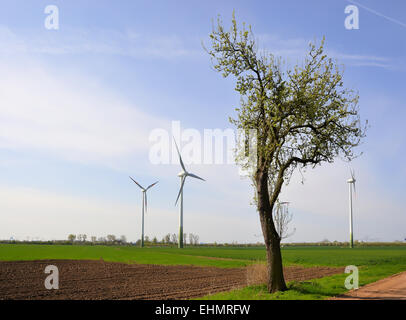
x,y
71,237
146,239
282,219
191,239
81,237
167,238
93,239
195,239
184,238
155,240
111,238
302,116
174,238
123,239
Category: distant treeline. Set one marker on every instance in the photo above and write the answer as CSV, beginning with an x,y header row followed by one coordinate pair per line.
x,y
113,241
110,239
343,244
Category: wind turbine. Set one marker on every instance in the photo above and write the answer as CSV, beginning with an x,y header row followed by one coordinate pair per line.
x,y
183,175
351,184
144,203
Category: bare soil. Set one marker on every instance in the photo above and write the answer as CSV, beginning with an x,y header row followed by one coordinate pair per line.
x,y
95,280
391,288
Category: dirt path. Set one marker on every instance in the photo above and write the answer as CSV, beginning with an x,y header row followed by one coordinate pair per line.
x,y
111,280
392,288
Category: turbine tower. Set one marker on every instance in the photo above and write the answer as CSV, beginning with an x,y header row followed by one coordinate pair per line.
x,y
351,184
182,175
144,204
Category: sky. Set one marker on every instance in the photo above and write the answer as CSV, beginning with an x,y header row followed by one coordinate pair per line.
x,y
79,105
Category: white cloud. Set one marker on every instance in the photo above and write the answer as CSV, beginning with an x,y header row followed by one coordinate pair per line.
x,y
28,212
294,51
32,212
96,41
168,46
76,118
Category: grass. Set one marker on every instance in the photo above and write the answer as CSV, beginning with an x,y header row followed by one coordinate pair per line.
x,y
336,256
163,256
374,263
316,289
234,257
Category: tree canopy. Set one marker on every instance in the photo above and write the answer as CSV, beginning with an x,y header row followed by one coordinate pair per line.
x,y
302,116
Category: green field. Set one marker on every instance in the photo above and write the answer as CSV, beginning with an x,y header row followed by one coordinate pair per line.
x,y
374,263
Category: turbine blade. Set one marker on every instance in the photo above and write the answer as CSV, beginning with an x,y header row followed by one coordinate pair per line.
x,y
181,189
195,176
150,186
355,191
145,201
352,174
137,183
180,157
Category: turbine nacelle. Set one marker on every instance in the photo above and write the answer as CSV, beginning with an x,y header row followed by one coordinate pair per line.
x,y
352,179
144,191
183,174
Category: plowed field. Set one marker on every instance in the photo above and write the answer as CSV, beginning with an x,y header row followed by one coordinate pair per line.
x,y
93,279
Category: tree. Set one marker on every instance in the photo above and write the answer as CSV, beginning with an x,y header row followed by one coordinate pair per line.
x,y
71,237
193,239
111,238
123,239
81,237
167,238
197,238
282,218
302,116
93,239
174,238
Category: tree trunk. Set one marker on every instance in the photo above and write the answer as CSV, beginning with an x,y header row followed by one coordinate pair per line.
x,y
276,281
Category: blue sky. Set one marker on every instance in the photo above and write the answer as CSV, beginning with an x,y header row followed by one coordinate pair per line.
x,y
78,105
